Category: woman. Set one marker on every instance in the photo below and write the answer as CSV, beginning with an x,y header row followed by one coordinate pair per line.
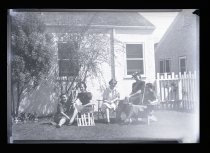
x,y
83,102
62,111
137,89
110,99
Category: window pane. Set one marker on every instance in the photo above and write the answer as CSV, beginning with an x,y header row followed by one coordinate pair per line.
x,y
64,51
68,68
134,51
168,66
135,65
182,62
183,69
161,67
183,65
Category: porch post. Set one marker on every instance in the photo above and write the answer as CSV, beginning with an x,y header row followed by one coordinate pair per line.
x,y
112,35
9,87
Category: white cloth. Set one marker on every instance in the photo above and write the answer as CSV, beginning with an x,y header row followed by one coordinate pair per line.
x,y
108,105
108,96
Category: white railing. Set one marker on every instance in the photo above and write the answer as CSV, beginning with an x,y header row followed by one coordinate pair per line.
x,y
177,91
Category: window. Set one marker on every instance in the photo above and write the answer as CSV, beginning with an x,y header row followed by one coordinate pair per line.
x,y
134,58
182,64
165,66
66,60
161,66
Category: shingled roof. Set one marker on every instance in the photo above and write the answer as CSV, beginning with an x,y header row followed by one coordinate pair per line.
x,y
111,19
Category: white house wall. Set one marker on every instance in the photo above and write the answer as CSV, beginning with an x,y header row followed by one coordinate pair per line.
x,y
96,85
135,36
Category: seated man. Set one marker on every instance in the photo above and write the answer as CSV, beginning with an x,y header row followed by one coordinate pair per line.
x,y
110,99
83,102
63,111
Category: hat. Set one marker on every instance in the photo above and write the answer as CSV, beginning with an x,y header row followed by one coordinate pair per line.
x,y
112,81
136,74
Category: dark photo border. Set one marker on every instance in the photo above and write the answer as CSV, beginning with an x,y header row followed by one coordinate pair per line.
x,y
4,122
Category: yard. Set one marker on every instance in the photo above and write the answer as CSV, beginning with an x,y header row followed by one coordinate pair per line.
x,y
170,125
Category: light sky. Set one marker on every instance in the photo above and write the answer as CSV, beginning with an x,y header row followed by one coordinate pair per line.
x,y
161,20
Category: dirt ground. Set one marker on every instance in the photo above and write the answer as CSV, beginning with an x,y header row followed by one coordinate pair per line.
x,y
171,125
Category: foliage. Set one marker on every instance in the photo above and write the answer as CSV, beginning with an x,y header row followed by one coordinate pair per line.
x,y
90,51
30,52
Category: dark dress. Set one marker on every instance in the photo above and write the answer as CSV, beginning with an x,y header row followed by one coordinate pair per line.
x,y
136,86
63,107
149,96
85,98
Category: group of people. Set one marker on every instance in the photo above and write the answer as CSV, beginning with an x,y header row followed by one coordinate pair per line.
x,y
133,106
68,108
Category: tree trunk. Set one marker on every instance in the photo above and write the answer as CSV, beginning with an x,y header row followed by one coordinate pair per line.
x,y
72,84
12,101
19,91
85,76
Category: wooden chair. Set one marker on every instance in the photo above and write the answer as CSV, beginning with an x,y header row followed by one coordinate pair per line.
x,y
100,102
101,113
86,118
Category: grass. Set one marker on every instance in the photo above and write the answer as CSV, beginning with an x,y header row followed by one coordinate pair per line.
x,y
170,125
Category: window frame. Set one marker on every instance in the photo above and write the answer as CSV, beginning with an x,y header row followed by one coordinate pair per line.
x,y
162,60
169,65
183,57
140,59
62,59
164,65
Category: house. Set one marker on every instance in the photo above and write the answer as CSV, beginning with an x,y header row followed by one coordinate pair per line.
x,y
178,50
135,52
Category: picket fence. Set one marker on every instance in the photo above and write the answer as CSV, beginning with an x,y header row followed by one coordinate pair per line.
x,y
177,92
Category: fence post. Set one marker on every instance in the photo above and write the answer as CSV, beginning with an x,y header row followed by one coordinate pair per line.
x,y
196,92
162,90
172,75
169,92
190,90
158,86
176,96
187,90
180,89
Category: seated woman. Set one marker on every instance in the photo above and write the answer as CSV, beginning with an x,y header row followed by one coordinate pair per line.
x,y
110,99
63,111
83,102
136,95
150,99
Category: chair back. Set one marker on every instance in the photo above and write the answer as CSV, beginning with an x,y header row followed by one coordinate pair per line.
x,y
86,118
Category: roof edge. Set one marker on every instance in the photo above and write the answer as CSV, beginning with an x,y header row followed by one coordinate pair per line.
x,y
106,26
